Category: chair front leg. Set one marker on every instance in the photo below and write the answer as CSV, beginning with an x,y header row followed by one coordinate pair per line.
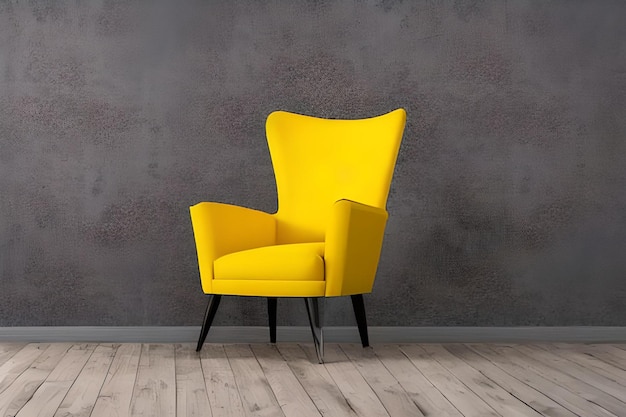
x,y
271,311
361,320
211,309
315,320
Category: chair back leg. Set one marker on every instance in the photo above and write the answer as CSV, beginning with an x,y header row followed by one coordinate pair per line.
x,y
271,311
361,320
209,314
315,320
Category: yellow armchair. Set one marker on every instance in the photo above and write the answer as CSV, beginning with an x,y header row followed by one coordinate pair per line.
x,y
333,179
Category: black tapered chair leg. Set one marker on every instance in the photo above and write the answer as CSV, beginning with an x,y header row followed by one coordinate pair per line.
x,y
211,309
361,321
315,320
271,311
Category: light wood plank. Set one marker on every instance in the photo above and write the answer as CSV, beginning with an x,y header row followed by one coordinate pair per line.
x,y
220,382
559,376
468,403
8,350
575,370
23,387
290,394
155,387
424,395
48,397
600,352
618,350
191,395
316,381
72,363
256,394
575,354
18,363
393,397
489,391
603,352
357,392
521,371
116,393
620,346
531,396
80,399
46,400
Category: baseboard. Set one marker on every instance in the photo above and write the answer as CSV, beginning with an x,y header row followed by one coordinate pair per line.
x,y
242,334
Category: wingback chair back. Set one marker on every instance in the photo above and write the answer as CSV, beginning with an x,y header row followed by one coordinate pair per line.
x,y
320,161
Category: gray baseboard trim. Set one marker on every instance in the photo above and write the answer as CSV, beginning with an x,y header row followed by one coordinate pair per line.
x,y
242,334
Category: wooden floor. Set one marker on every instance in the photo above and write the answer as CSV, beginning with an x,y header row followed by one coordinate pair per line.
x,y
106,380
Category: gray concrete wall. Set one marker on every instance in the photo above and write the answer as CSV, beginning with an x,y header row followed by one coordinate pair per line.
x,y
508,206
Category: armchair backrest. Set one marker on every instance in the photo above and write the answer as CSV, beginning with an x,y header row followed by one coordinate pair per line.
x,y
319,161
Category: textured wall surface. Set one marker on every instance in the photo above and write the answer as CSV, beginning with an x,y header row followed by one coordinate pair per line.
x,y
508,206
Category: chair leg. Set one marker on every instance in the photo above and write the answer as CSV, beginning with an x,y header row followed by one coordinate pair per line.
x,y
211,309
271,310
315,320
361,321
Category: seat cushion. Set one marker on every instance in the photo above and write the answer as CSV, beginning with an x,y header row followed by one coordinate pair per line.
x,y
293,262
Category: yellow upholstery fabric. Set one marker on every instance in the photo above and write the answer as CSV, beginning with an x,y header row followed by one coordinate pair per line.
x,y
332,178
266,288
353,243
220,229
320,161
296,262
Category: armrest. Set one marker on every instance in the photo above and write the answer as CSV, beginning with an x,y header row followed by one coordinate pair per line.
x,y
220,229
354,240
